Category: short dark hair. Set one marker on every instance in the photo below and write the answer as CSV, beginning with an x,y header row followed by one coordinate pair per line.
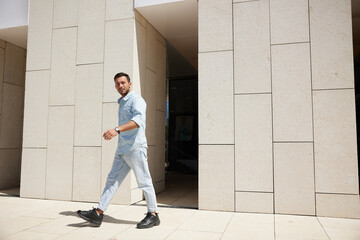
x,y
122,74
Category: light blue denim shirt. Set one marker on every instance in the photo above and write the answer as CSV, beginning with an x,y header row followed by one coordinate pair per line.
x,y
132,107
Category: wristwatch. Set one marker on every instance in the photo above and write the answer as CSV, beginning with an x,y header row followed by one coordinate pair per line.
x,y
117,129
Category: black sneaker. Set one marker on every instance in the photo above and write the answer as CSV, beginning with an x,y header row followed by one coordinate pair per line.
x,y
149,221
91,216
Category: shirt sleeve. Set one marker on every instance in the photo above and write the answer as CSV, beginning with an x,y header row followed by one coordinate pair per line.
x,y
139,112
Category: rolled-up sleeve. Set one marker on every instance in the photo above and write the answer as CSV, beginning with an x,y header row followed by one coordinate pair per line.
x,y
139,111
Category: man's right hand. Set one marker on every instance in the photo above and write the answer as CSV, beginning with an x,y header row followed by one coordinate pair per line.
x,y
109,134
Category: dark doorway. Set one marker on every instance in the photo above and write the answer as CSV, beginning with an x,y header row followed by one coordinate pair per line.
x,y
181,175
183,125
181,171
356,46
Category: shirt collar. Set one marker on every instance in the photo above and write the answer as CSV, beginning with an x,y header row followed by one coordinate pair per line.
x,y
126,97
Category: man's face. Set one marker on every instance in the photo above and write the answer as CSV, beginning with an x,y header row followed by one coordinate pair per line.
x,y
122,85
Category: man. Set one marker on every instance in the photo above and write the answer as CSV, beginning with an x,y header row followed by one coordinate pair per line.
x,y
131,153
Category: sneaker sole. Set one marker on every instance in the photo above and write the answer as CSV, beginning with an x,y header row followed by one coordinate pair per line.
x,y
96,223
149,226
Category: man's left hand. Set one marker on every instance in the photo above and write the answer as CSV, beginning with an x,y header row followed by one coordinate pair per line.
x,y
109,134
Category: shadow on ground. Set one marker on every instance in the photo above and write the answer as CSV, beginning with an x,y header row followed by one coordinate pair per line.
x,y
107,219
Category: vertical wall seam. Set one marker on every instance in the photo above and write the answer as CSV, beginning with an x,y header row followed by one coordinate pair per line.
x,y
3,86
73,147
48,112
102,103
73,157
75,84
272,112
312,109
74,121
2,90
23,117
198,108
234,108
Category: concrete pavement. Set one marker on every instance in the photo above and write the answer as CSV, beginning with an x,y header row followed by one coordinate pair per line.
x,y
27,219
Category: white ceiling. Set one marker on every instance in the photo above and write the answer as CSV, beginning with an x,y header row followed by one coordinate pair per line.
x,y
14,21
355,4
177,21
15,35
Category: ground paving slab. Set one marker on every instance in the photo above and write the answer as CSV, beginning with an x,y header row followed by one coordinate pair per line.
x,y
37,219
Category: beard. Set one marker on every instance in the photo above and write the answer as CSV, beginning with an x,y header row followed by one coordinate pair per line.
x,y
124,92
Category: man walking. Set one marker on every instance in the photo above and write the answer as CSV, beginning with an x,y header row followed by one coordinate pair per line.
x,y
131,153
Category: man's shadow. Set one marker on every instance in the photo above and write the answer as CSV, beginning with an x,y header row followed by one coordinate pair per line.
x,y
107,218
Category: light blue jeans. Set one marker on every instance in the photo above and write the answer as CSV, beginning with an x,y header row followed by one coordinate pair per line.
x,y
136,160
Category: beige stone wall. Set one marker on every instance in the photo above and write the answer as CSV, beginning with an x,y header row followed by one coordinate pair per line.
x,y
74,50
12,77
277,129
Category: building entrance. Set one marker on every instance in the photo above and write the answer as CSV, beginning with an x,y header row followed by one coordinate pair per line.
x,y
356,43
177,22
182,144
181,168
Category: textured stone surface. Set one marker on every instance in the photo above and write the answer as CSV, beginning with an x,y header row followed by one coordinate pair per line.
x,y
59,168
331,44
10,161
291,86
90,45
119,41
298,227
40,219
33,169
14,68
216,189
335,143
66,13
254,202
150,107
289,21
63,67
253,143
86,179
160,146
216,101
338,205
119,9
161,78
151,49
39,35
252,47
88,105
36,109
294,178
209,25
139,73
2,62
11,122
